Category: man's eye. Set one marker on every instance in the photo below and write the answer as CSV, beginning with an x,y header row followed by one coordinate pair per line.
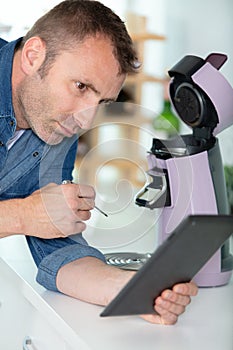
x,y
108,102
80,86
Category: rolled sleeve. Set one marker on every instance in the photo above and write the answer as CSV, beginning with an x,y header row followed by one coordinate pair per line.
x,y
50,255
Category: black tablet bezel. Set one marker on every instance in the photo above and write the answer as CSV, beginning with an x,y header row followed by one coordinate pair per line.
x,y
176,260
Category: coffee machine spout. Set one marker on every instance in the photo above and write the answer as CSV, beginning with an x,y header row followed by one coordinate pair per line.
x,y
155,191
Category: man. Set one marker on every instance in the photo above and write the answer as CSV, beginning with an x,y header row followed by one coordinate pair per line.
x,y
51,81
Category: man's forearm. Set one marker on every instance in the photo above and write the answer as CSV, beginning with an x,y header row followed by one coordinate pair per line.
x,y
11,215
91,280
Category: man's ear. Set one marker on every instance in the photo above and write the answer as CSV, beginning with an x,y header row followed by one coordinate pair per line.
x,y
33,55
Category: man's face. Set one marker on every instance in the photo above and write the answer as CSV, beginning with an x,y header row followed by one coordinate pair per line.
x,y
65,100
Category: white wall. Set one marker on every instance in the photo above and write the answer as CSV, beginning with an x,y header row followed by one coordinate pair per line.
x,y
200,27
21,14
192,27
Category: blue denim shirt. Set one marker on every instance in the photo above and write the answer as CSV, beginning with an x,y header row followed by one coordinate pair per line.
x,y
29,165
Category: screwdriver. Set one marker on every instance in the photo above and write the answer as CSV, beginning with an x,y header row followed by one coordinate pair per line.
x,y
65,182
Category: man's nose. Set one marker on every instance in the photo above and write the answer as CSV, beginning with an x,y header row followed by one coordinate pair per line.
x,y
85,117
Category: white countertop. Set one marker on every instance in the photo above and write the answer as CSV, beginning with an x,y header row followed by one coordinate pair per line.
x,y
206,324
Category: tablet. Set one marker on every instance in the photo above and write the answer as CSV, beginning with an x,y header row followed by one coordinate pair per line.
x,y
176,260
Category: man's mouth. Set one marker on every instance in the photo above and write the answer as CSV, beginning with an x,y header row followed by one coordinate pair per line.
x,y
67,131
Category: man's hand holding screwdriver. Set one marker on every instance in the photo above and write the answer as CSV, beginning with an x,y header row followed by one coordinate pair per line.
x,y
57,210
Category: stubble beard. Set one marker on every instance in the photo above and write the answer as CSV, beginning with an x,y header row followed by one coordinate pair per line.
x,y
31,105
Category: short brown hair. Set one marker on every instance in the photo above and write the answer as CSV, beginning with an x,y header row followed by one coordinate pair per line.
x,y
71,21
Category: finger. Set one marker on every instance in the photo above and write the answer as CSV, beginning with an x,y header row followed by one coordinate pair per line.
x,y
81,191
176,298
166,317
85,191
155,319
85,203
186,288
168,306
83,215
77,227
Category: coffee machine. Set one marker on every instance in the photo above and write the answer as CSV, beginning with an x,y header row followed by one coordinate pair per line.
x,y
186,171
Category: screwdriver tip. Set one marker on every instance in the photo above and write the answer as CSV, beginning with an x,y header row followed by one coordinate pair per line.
x,y
101,211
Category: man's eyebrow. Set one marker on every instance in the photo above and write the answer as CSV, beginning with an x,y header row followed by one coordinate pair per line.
x,y
91,86
104,100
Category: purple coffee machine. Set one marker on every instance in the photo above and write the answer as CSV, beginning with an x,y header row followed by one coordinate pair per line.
x,y
186,171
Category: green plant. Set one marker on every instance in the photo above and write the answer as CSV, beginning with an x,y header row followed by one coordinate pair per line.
x,y
228,170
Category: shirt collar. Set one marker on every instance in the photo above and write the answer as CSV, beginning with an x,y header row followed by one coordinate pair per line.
x,y
6,61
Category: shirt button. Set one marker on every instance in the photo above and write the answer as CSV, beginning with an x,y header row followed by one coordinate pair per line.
x,y
35,154
11,123
1,143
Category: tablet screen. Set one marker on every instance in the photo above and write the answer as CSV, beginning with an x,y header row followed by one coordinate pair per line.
x,y
176,260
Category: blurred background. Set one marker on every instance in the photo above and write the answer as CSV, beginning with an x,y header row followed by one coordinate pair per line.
x,y
182,27
112,156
